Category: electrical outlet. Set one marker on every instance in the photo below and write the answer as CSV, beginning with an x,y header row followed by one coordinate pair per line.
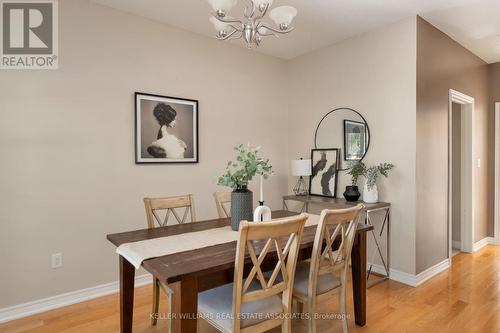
x,y
57,260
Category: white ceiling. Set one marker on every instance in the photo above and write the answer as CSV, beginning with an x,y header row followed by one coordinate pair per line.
x,y
474,23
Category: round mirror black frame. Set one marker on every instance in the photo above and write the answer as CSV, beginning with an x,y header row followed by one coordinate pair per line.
x,y
367,129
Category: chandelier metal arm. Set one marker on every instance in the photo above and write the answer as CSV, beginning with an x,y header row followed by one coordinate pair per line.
x,y
224,20
264,25
229,35
267,34
235,28
263,13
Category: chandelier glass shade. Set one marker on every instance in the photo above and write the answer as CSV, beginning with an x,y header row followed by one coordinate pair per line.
x,y
253,27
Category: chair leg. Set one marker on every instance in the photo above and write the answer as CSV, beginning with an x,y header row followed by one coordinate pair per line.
x,y
156,302
286,327
300,306
169,303
311,309
343,302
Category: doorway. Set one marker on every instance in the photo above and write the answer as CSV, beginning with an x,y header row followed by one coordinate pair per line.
x,y
497,173
460,173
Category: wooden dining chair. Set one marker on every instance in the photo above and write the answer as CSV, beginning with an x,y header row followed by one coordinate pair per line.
x,y
170,205
326,272
223,204
256,303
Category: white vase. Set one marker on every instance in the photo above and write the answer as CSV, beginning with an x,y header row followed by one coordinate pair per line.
x,y
370,196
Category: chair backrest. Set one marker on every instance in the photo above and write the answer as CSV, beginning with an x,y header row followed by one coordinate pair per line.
x,y
281,237
223,204
169,205
340,225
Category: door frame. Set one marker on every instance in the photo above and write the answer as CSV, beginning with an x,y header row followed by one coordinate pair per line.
x,y
497,174
467,174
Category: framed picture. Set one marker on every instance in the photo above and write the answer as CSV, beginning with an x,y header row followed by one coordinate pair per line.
x,y
166,129
354,140
323,181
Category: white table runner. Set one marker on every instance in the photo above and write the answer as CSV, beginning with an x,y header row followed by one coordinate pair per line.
x,y
137,252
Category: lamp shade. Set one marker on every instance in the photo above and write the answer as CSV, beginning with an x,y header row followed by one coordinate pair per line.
x,y
257,3
301,168
283,15
224,5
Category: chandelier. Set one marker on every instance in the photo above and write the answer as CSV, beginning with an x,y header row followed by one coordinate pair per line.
x,y
252,28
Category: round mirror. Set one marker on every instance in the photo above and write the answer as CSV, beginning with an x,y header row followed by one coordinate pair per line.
x,y
346,130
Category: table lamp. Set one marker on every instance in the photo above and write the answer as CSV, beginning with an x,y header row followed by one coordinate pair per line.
x,y
301,168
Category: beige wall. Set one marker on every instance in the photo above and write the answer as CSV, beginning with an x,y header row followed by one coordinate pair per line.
x,y
494,83
68,176
443,64
375,74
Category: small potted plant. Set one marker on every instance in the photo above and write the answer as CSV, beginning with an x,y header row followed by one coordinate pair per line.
x,y
370,191
237,176
357,170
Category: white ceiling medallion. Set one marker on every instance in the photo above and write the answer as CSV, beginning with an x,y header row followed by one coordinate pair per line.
x,y
252,28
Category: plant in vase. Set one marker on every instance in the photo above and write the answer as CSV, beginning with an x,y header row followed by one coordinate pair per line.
x,y
356,170
237,176
370,191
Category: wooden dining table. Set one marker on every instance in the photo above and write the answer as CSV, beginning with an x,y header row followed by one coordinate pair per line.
x,y
190,272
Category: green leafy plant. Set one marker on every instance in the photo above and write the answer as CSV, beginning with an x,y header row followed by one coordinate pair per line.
x,y
373,172
238,174
357,169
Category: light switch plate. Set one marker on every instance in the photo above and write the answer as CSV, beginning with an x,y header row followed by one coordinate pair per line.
x,y
57,260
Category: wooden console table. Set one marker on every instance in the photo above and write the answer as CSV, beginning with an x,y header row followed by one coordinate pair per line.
x,y
338,203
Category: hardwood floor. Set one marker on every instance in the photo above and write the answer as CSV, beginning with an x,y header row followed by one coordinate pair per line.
x,y
464,299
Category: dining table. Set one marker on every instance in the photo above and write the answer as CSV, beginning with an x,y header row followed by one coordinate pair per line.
x,y
190,272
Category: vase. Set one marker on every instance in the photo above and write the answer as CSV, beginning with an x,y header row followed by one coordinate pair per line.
x,y
370,195
352,193
241,207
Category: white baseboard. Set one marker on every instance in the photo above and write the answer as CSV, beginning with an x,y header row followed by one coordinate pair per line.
x,y
479,244
54,302
411,279
493,241
483,242
432,271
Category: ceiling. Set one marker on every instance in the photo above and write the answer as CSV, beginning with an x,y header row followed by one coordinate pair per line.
x,y
476,26
473,23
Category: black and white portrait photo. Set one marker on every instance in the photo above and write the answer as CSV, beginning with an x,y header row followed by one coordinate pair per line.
x,y
323,181
166,129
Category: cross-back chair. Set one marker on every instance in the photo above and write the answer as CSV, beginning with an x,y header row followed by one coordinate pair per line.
x,y
171,207
223,204
257,303
329,264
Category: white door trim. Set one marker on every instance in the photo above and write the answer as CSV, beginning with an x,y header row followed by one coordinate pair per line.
x,y
468,170
497,173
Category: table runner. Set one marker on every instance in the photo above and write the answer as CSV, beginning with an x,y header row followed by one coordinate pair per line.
x,y
137,252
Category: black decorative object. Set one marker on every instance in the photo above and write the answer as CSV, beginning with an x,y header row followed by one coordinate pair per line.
x,y
241,207
323,181
352,193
